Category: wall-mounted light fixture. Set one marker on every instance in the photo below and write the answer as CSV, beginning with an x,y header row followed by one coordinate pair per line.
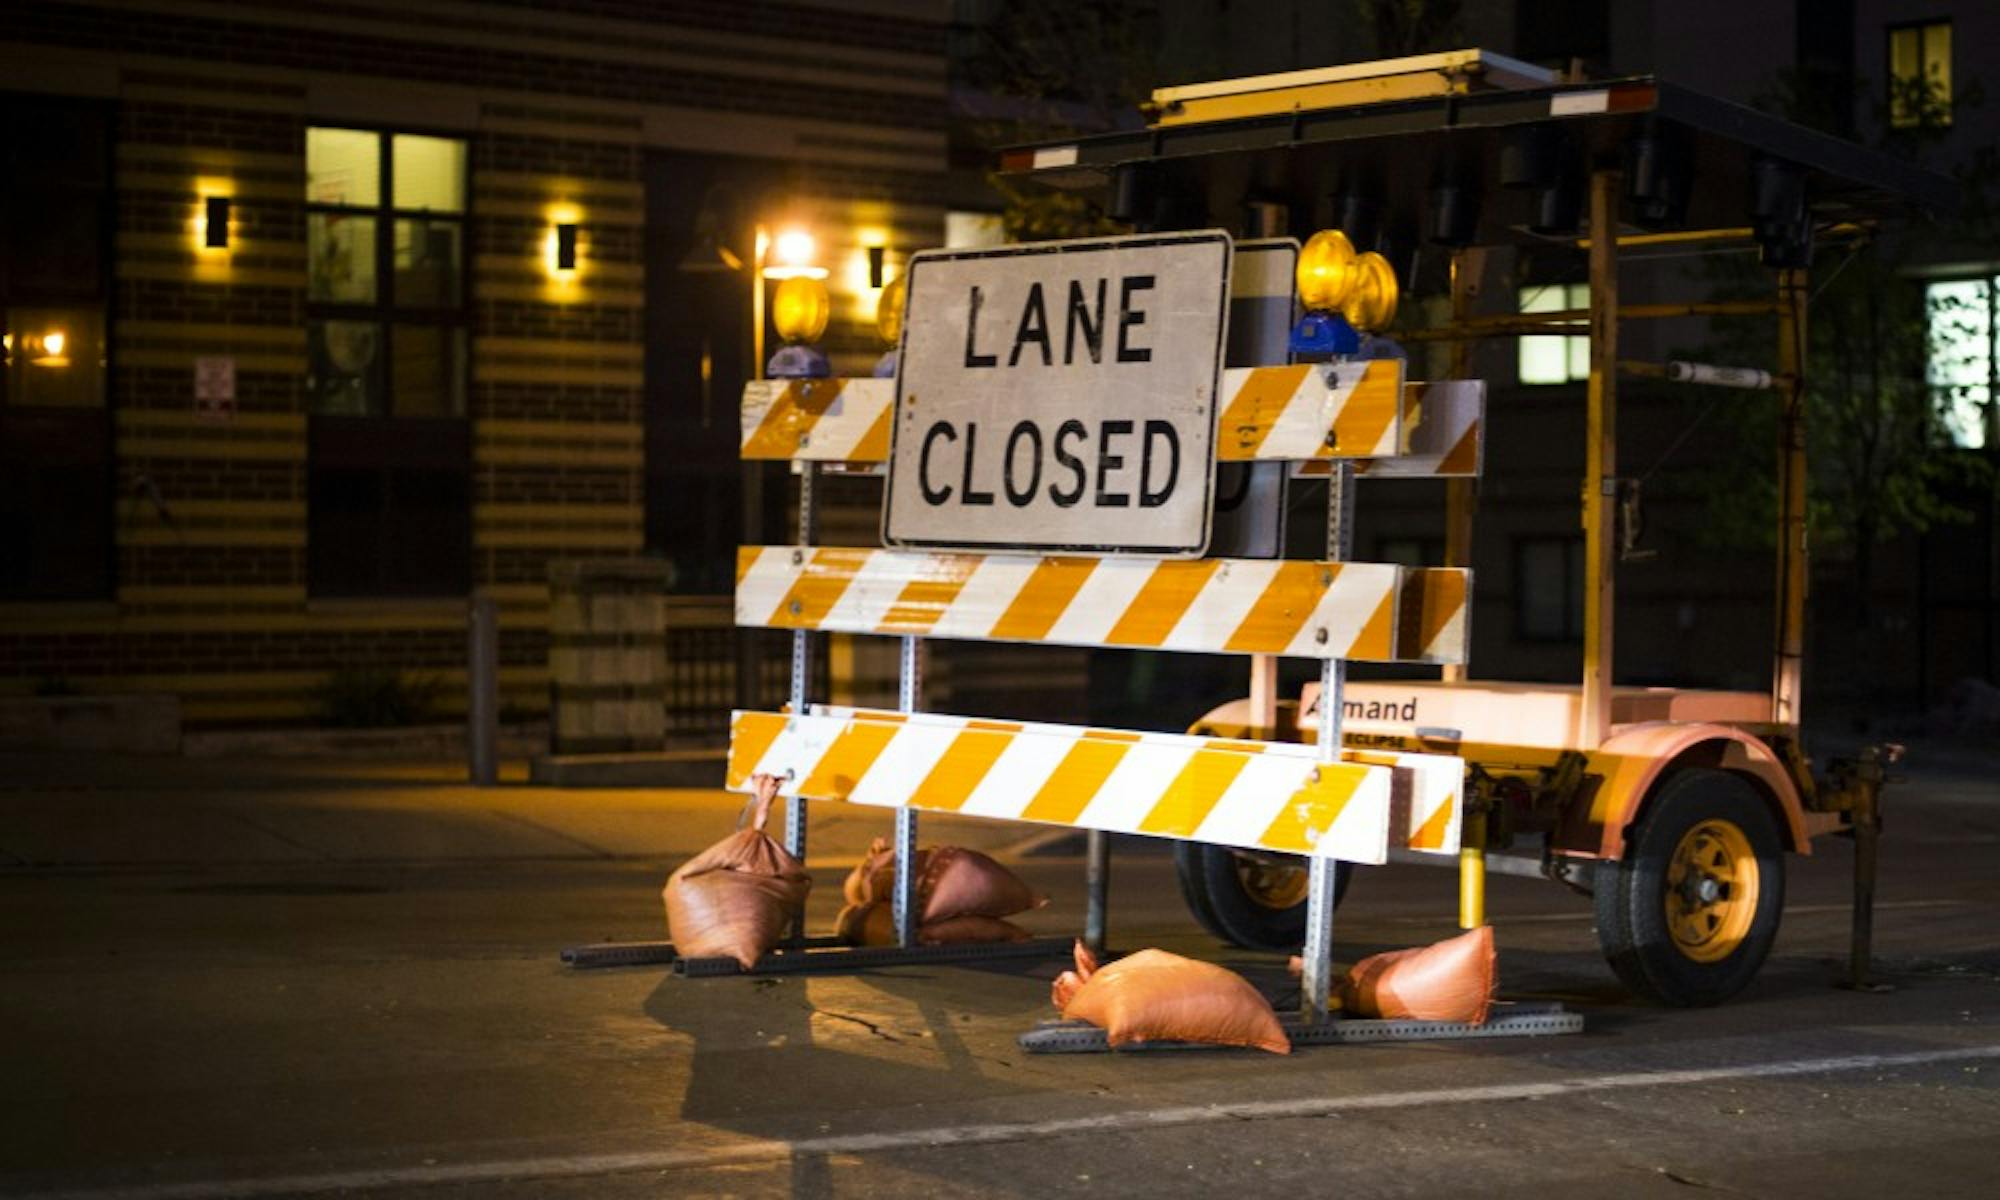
x,y
215,231
878,261
566,246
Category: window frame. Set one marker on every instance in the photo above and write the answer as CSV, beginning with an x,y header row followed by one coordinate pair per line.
x,y
386,312
431,442
1922,29
1571,342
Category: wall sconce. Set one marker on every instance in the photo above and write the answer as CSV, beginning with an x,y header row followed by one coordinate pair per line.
x,y
215,231
878,261
566,246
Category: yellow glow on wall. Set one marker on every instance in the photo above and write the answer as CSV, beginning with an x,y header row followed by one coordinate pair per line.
x,y
47,349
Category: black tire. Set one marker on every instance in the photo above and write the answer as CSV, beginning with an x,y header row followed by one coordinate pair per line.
x,y
1215,893
1712,957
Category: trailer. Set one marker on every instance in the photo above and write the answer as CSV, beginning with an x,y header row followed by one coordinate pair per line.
x,y
1673,808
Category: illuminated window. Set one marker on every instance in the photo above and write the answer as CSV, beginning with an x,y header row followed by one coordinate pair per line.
x,y
389,500
1548,588
1920,74
1962,355
1553,359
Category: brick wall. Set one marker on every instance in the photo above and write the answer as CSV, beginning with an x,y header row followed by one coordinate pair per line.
x,y
559,103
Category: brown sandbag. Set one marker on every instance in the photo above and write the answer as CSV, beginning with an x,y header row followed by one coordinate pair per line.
x,y
874,924
1156,996
1451,980
736,898
951,881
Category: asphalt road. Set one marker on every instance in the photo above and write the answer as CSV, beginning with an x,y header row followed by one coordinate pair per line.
x,y
261,979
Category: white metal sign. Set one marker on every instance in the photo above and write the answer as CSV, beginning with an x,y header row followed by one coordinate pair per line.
x,y
1060,396
215,388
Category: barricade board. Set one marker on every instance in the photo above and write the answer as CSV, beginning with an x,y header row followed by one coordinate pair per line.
x,y
1375,612
1254,795
1273,414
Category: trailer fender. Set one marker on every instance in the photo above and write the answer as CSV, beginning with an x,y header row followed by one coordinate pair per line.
x,y
1622,773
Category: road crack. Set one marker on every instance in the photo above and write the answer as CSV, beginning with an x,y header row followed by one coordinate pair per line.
x,y
864,1022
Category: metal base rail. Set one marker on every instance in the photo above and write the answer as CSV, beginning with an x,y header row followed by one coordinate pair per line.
x,y
786,961
643,954
1541,1019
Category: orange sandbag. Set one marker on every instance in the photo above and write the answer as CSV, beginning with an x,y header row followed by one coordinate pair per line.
x,y
951,881
874,924
736,898
1156,996
1449,981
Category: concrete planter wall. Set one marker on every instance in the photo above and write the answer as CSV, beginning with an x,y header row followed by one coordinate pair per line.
x,y
148,724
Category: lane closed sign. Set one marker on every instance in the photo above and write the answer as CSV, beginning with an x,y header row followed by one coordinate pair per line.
x,y
1060,397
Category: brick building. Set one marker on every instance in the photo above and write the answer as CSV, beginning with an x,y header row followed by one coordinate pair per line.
x,y
297,353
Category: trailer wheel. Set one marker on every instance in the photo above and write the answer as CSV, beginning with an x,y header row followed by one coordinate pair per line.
x,y
1689,915
1253,900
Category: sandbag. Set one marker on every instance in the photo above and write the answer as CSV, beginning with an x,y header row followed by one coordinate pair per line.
x,y
737,898
1451,980
950,881
1157,996
874,924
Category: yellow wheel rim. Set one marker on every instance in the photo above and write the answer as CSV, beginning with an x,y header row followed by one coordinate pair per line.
x,y
1711,896
1271,885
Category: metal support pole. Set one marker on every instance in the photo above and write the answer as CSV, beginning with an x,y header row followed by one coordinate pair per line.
x,y
482,704
1791,591
1867,837
1097,888
1461,496
909,694
795,810
1600,477
1323,877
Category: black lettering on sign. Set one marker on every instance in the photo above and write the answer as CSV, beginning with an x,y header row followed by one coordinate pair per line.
x,y
968,496
1148,498
972,356
1023,496
1067,431
1128,317
933,496
1034,327
1108,462
1091,323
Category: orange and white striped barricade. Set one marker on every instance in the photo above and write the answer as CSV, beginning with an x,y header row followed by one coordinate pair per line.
x,y
1268,414
1307,415
1277,797
1375,612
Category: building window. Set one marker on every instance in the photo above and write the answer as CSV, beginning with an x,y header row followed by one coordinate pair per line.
x,y
1548,588
1920,74
1962,362
56,477
390,494
1551,358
